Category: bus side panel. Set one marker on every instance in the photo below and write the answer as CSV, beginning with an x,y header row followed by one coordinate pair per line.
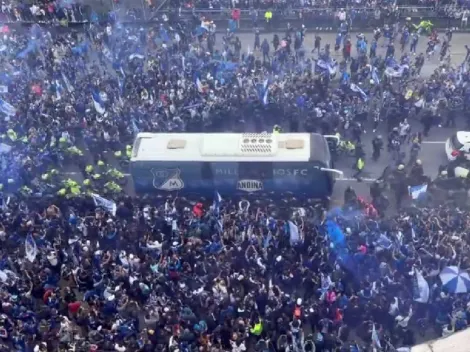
x,y
168,176
300,178
229,178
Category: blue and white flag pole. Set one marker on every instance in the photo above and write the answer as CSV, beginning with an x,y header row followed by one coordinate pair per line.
x,y
357,89
31,249
199,85
420,288
216,203
294,233
104,203
4,203
7,108
97,103
69,86
265,97
375,338
417,191
58,90
375,76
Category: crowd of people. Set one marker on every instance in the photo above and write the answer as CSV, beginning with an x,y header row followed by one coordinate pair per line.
x,y
69,12
157,274
41,11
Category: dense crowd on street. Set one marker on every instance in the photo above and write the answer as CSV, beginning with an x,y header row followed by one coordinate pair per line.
x,y
70,12
157,274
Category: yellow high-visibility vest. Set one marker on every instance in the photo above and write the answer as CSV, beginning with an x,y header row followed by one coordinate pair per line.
x,y
257,329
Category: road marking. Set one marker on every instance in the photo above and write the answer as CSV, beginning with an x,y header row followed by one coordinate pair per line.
x,y
72,173
348,179
433,142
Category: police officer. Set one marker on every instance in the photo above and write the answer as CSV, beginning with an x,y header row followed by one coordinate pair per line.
x,y
26,191
360,163
417,172
129,151
87,185
277,129
101,166
377,146
62,192
399,184
455,104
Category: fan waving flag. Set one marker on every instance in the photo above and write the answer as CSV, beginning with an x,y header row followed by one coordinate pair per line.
x,y
375,338
97,103
417,191
7,108
294,233
420,288
69,86
216,203
357,89
31,249
375,76
200,87
106,204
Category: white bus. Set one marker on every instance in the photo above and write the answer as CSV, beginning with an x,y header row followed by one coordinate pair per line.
x,y
230,163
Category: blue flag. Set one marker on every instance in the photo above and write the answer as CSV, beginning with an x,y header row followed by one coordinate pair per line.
x,y
216,203
31,249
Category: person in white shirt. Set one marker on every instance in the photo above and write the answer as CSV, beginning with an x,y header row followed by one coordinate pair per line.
x,y
342,15
464,19
404,130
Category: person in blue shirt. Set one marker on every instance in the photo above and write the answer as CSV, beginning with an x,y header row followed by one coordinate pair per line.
x,y
373,49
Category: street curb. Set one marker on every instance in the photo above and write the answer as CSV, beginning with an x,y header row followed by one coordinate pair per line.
x,y
318,29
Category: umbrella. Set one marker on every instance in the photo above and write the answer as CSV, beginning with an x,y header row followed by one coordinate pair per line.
x,y
456,280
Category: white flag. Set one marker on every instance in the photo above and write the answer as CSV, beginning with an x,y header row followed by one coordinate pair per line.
x,y
7,108
199,85
421,288
375,337
294,233
31,248
69,87
417,191
107,204
100,109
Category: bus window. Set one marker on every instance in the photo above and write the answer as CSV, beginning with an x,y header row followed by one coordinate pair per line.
x,y
206,171
255,171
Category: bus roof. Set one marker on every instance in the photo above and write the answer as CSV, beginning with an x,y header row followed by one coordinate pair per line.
x,y
226,147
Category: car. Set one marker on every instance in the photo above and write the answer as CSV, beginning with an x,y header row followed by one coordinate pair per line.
x,y
457,145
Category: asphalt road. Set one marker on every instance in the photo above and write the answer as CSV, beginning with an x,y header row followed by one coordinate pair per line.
x,y
432,154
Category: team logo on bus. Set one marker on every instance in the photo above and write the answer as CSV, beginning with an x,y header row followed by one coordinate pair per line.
x,y
250,185
167,180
